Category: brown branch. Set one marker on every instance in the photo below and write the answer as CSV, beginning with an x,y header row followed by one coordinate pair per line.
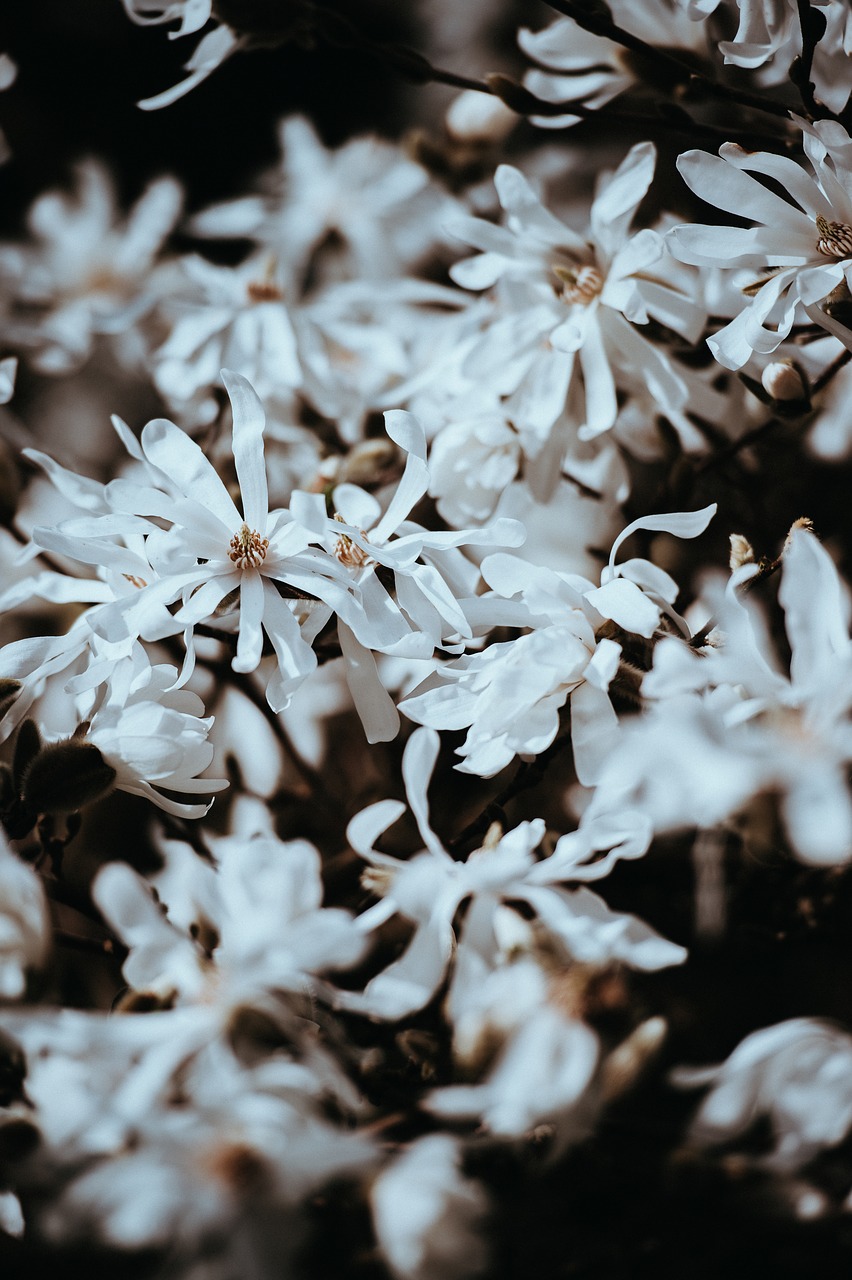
x,y
528,775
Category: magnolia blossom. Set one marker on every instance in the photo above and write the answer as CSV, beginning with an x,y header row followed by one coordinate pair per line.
x,y
151,1138
797,1074
210,551
432,579
155,737
192,15
578,66
231,318
509,696
568,309
751,728
798,252
544,1075
471,463
769,36
429,888
88,274
229,935
427,1214
363,211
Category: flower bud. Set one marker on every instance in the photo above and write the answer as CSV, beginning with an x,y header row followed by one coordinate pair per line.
x,y
782,380
65,776
479,117
742,552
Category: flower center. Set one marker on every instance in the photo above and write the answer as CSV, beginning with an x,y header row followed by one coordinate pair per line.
x,y
247,548
347,551
581,284
835,238
263,291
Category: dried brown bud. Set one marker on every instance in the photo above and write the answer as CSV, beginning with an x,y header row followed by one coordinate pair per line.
x,y
742,552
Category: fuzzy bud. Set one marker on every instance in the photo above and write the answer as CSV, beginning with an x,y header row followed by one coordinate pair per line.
x,y
783,380
742,552
479,117
803,522
65,776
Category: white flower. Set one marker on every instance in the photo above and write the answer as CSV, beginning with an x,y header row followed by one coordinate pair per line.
x,y
769,36
154,736
582,67
89,273
233,318
543,1075
24,923
192,15
566,305
754,729
798,252
798,1074
428,889
153,1136
228,935
211,549
427,1215
510,694
471,463
432,579
367,198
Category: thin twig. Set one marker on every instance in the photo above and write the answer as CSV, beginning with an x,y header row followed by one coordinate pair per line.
x,y
757,433
77,942
528,775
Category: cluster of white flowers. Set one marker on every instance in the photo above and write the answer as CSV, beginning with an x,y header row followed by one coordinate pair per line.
x,y
410,436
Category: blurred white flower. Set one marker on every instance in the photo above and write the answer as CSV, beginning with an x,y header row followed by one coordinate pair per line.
x,y
428,1216
510,695
769,37
576,65
751,728
364,211
798,1074
226,936
545,1074
89,273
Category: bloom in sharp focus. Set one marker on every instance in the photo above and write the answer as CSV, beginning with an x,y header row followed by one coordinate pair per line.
x,y
800,248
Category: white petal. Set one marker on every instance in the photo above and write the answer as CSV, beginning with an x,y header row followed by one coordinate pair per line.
x,y
249,420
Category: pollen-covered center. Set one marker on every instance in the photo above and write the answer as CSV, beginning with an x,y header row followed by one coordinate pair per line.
x,y
835,238
347,551
247,548
579,284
